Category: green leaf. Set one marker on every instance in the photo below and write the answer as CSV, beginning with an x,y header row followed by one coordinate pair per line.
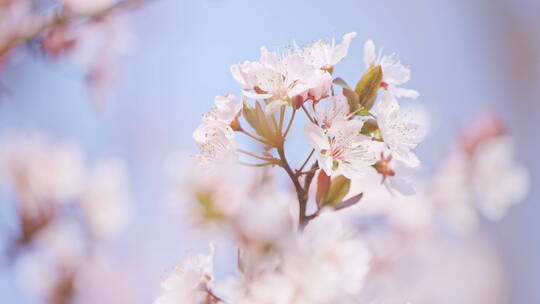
x,y
369,127
249,115
339,188
353,99
368,86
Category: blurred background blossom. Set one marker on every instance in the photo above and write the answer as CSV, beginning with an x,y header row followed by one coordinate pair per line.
x,y
134,88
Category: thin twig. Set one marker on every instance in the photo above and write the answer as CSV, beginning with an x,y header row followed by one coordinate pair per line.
x,y
308,115
290,124
281,117
61,17
256,156
257,165
306,161
255,137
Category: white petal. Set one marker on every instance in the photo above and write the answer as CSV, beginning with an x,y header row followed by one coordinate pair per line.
x,y
369,53
316,136
325,163
341,50
401,92
274,105
402,185
395,73
237,74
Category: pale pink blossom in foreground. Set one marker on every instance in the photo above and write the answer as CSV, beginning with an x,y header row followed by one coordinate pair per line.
x,y
186,283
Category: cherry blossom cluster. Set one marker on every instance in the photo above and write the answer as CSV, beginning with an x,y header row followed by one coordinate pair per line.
x,y
358,226
65,211
92,35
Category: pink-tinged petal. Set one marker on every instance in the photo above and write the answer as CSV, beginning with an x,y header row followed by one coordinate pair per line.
x,y
369,53
341,50
316,137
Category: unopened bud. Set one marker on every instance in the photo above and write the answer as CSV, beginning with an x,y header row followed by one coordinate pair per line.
x,y
298,101
383,166
235,123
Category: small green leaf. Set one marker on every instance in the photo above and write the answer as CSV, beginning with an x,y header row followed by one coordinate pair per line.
x,y
249,115
339,188
352,99
368,86
369,127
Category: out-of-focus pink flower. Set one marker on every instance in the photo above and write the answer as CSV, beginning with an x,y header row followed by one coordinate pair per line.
x,y
87,6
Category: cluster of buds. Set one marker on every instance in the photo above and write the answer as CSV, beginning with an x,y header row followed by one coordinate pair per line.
x,y
91,34
64,210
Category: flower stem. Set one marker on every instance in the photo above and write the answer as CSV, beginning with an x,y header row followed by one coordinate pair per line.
x,y
308,115
257,156
255,137
257,165
290,124
302,193
306,161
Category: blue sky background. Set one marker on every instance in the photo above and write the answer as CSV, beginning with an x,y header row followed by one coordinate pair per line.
x,y
465,57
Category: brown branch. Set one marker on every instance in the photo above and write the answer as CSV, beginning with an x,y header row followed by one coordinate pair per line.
x,y
61,17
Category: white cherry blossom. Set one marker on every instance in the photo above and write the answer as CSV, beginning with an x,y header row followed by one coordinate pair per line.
x,y
394,73
498,179
396,176
225,109
188,282
335,109
106,202
324,55
400,131
342,150
279,79
27,159
324,264
216,141
452,194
